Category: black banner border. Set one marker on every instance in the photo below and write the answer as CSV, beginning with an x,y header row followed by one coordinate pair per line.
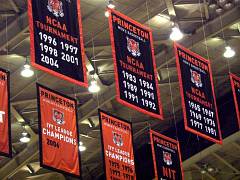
x,y
158,116
54,73
38,86
219,141
103,154
154,154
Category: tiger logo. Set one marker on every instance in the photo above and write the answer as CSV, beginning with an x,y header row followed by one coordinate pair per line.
x,y
58,117
117,139
55,7
196,78
133,47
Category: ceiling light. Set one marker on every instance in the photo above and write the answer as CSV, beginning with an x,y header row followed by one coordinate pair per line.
x,y
210,169
203,171
176,34
27,71
228,6
82,147
94,87
219,10
25,137
213,6
107,13
222,2
229,52
110,4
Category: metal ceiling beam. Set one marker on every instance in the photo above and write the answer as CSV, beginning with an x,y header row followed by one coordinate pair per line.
x,y
7,13
170,8
160,7
15,30
225,162
198,157
211,29
183,2
206,174
206,11
20,160
14,5
20,119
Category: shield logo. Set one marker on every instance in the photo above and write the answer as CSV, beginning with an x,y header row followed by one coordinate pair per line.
x,y
167,158
117,139
196,78
133,47
58,117
55,7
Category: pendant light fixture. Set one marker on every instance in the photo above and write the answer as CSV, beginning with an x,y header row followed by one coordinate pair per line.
x,y
229,52
27,70
176,33
25,138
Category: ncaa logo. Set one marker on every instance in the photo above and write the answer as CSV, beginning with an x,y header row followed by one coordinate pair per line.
x,y
117,139
58,117
167,158
196,78
55,7
133,47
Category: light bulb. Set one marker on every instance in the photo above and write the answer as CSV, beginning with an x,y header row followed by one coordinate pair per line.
x,y
94,88
24,133
27,71
210,169
24,139
203,171
176,34
107,13
111,5
82,148
229,52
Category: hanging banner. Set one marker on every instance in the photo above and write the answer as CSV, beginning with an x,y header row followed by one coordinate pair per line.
x,y
56,39
197,92
58,132
166,157
117,146
134,65
235,83
5,121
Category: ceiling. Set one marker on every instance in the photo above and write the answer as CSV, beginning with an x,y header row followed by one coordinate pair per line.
x,y
204,32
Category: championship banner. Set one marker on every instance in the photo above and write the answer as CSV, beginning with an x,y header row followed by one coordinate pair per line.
x,y
58,132
134,65
56,39
5,121
197,92
117,147
235,83
166,157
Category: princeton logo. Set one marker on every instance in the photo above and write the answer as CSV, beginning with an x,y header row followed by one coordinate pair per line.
x,y
58,117
117,139
55,7
196,78
167,158
133,47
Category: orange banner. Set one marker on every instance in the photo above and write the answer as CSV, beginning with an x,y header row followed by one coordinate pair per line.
x,y
117,145
5,123
58,132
